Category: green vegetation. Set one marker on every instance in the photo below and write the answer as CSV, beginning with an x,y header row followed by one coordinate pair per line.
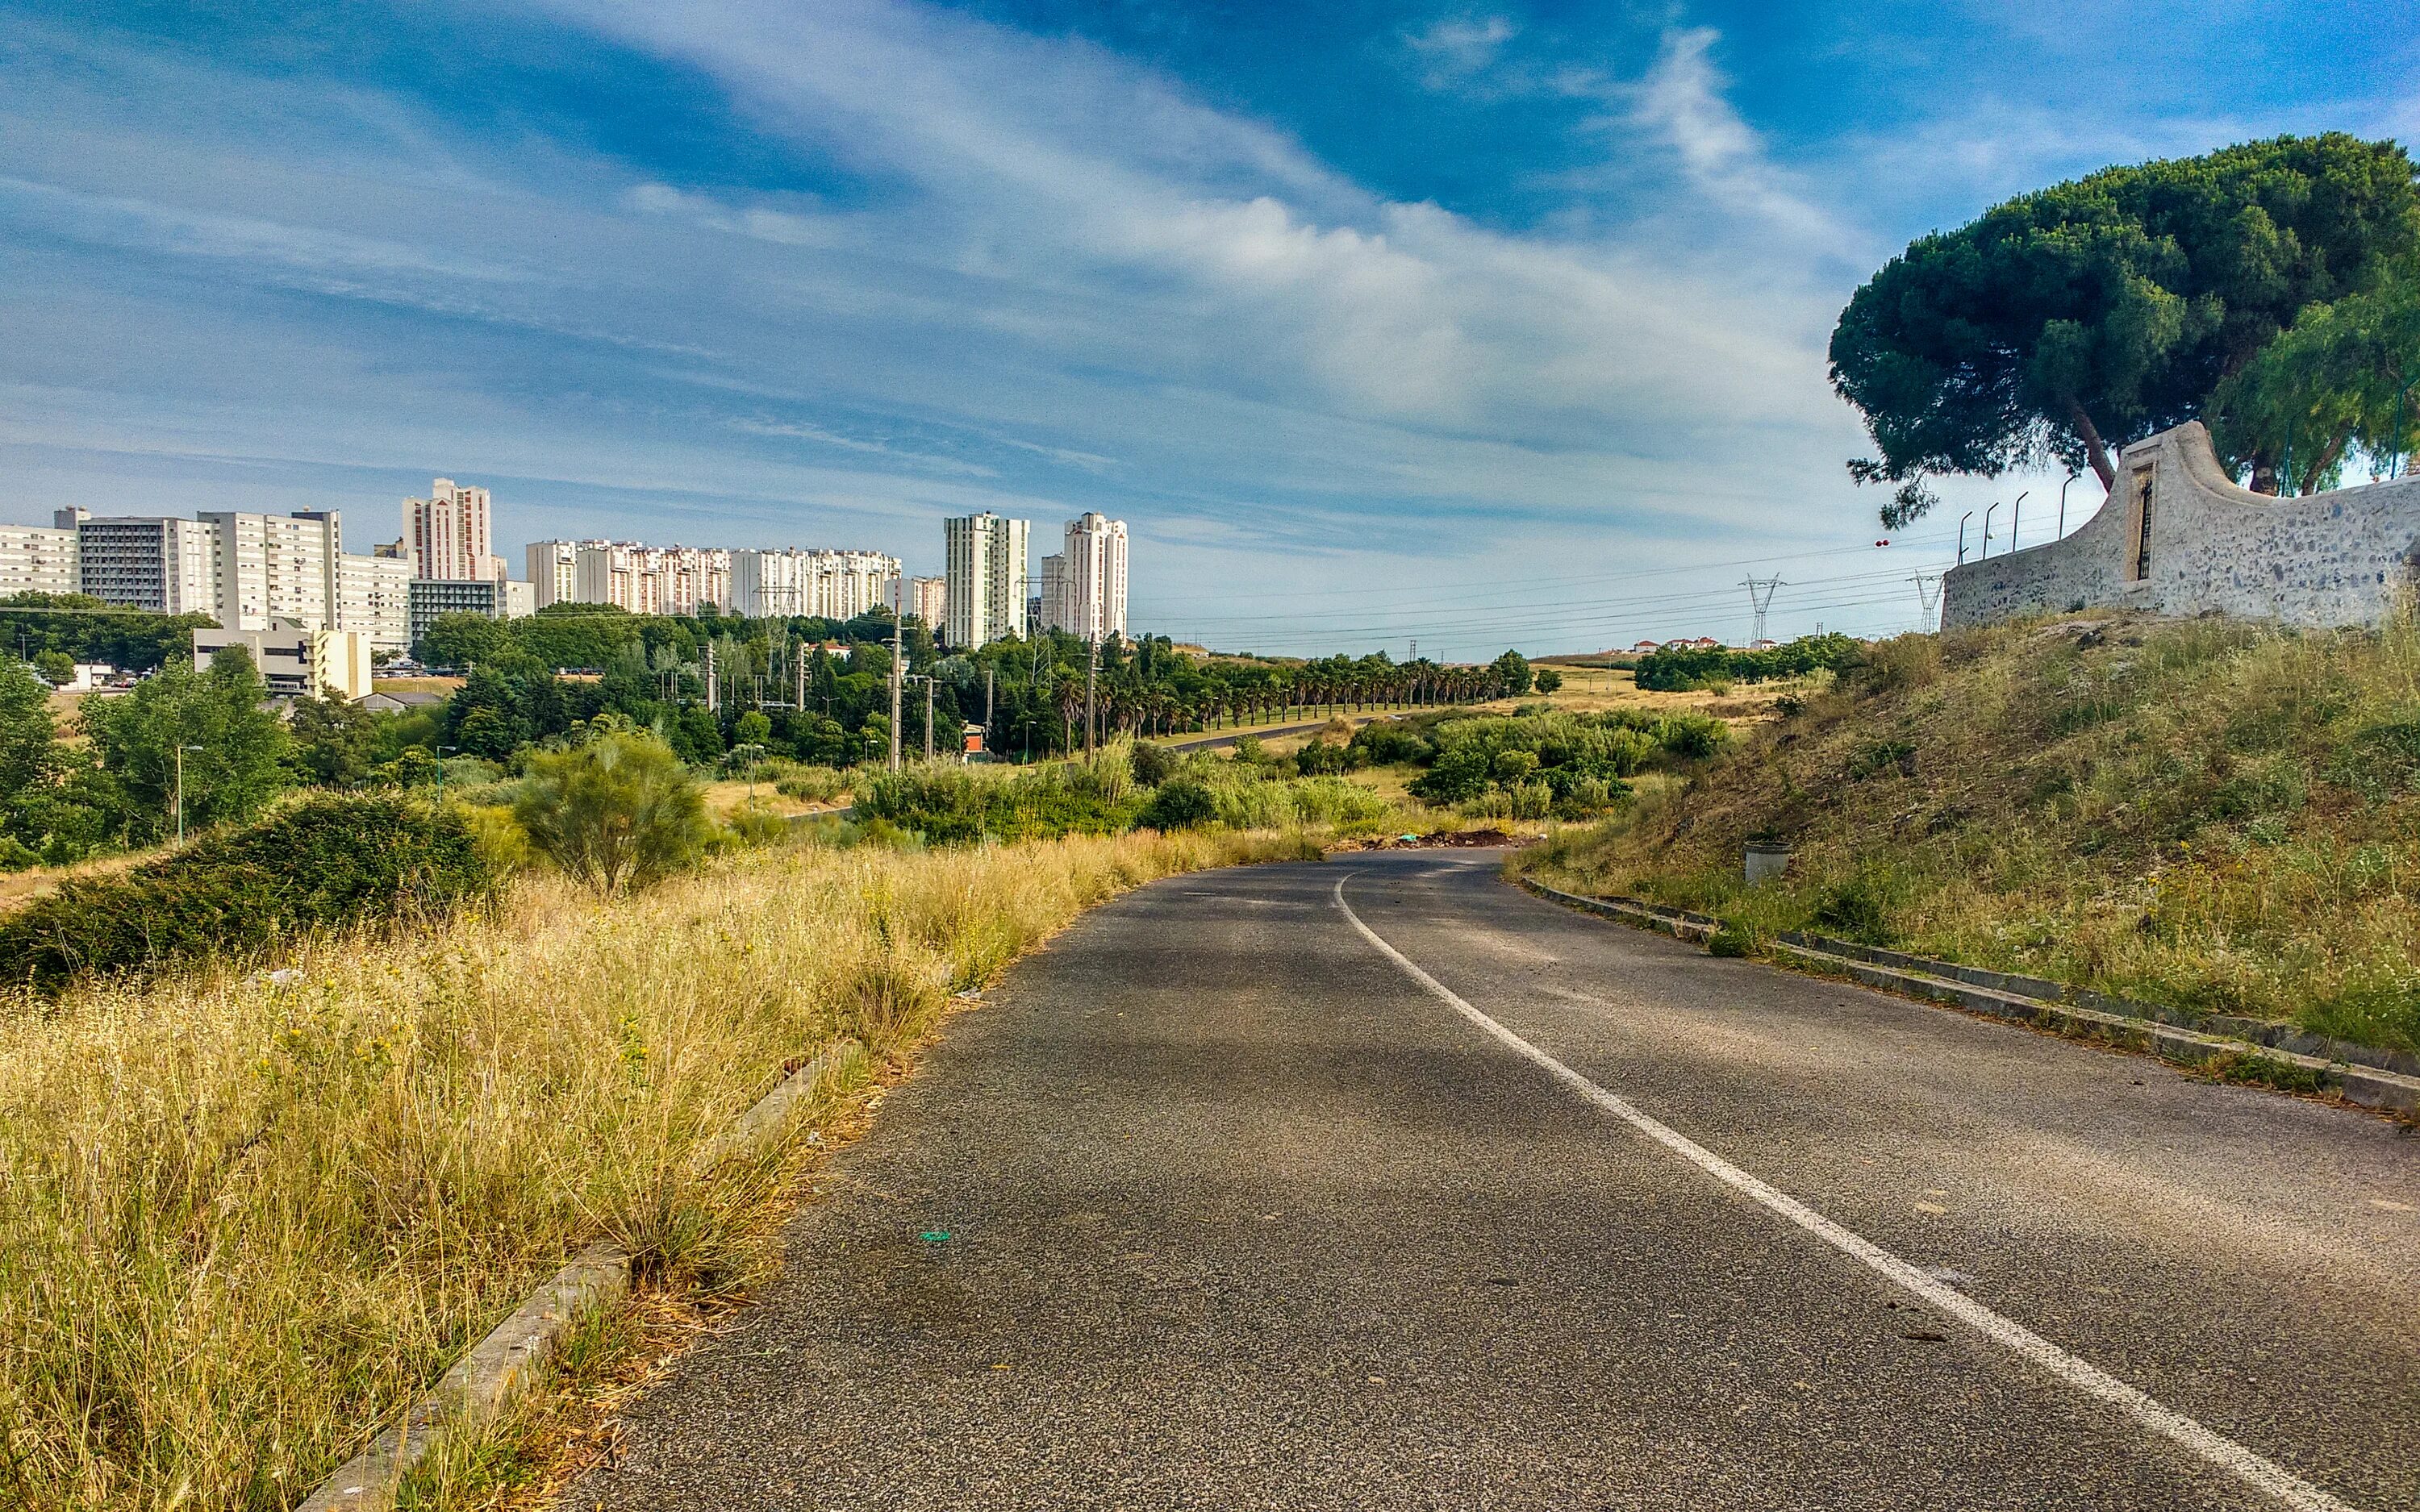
x,y
61,802
2212,815
2071,322
614,811
78,627
323,863
949,804
2341,381
1682,669
651,671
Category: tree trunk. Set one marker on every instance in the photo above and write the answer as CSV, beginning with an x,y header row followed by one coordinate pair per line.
x,y
2326,459
2095,449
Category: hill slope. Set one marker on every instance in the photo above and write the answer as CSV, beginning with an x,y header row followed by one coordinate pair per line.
x,y
2205,814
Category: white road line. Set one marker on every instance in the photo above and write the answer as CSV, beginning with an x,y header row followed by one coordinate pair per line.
x,y
2226,1453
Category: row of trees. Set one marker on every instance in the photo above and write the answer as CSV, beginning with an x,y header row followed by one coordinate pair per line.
x,y
778,685
2271,290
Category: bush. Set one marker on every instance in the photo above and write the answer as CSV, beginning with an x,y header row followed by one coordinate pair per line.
x,y
1181,803
1389,742
1152,764
620,811
322,863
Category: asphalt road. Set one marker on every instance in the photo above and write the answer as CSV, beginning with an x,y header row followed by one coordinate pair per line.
x,y
1240,1213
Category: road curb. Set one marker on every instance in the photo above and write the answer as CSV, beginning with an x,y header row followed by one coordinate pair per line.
x,y
492,1372
2099,1018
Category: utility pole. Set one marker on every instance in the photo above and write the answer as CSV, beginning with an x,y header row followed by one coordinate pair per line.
x,y
1759,595
1928,593
928,717
706,665
800,658
898,660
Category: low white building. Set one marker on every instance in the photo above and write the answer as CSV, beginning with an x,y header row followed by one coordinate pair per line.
x,y
296,660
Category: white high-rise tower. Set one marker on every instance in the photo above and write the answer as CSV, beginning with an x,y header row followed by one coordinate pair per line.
x,y
988,578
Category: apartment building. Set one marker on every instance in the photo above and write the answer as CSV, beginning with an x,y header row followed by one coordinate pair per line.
x,y
988,579
449,532
554,571
374,600
928,599
37,559
146,562
244,570
838,585
1085,585
643,579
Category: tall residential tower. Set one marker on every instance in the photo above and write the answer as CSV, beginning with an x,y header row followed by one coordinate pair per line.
x,y
987,580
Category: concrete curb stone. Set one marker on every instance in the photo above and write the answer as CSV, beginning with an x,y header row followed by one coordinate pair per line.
x,y
2140,1027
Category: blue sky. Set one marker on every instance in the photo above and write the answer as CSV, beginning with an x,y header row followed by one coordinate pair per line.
x,y
1484,325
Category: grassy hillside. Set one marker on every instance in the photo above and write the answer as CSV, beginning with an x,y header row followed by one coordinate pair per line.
x,y
2210,814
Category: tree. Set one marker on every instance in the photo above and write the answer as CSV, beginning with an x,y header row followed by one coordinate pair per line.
x,y
464,640
334,743
617,812
29,747
1513,671
2342,379
56,667
2078,319
238,767
1549,681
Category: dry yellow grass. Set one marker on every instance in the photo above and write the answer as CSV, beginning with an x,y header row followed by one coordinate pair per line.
x,y
243,1222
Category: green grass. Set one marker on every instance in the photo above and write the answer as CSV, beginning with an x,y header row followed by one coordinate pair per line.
x,y
2219,816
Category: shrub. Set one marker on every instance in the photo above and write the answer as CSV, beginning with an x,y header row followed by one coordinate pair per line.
x,y
1181,803
322,863
619,812
1388,743
1152,764
753,824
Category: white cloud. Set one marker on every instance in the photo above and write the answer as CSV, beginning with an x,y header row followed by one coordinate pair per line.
x,y
1450,50
1683,100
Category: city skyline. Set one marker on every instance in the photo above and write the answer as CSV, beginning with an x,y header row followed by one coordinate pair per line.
x,y
1480,324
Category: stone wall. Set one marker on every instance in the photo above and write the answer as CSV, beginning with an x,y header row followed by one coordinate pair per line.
x,y
2344,557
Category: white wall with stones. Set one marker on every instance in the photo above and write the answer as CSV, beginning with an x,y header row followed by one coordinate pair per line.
x,y
2344,557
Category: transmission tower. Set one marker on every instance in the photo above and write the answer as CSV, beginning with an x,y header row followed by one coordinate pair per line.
x,y
1928,595
1759,593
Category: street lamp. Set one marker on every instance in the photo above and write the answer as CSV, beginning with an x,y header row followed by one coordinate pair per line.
x,y
1962,535
180,791
752,753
